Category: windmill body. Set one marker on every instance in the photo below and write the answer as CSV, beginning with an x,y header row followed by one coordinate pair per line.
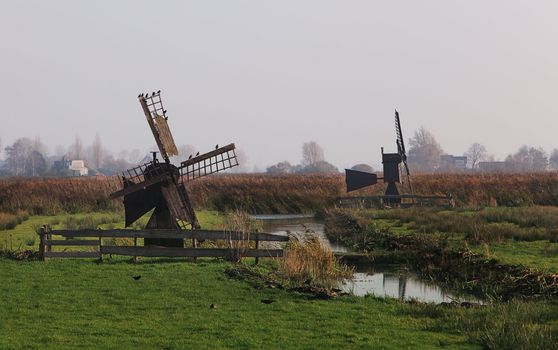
x,y
391,170
160,185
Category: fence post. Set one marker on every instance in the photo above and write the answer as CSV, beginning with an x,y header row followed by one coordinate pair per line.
x,y
42,243
48,248
257,247
100,249
135,245
195,245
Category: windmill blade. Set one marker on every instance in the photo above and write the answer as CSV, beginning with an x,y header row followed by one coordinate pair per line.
x,y
209,163
408,173
355,179
399,134
155,113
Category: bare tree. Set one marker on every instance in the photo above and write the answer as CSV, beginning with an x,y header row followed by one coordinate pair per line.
x,y
23,159
312,153
77,148
424,152
283,167
528,159
553,160
97,151
475,154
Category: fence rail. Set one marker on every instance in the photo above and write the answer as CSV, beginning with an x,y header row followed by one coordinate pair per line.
x,y
47,242
404,200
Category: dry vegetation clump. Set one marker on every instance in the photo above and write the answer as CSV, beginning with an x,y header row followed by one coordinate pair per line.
x,y
239,221
49,196
307,261
11,220
260,193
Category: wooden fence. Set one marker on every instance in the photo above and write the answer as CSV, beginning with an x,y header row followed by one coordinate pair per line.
x,y
403,201
94,238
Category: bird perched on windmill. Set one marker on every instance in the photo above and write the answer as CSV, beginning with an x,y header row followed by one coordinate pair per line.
x,y
355,179
160,185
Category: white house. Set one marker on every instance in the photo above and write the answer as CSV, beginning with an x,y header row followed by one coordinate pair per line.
x,y
78,168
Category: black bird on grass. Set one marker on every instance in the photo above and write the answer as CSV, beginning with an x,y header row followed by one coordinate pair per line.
x,y
267,301
136,277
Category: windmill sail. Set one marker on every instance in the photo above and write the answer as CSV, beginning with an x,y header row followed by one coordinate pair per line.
x,y
165,136
155,114
401,150
209,163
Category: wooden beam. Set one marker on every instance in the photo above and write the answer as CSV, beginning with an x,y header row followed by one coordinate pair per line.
x,y
188,252
174,233
137,187
72,242
72,255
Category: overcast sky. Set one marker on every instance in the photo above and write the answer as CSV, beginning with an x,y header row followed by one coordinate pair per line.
x,y
271,75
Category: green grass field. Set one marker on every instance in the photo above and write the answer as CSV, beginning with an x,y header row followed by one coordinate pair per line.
x,y
82,304
68,304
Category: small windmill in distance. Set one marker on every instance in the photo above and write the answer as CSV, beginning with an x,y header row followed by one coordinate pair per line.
x,y
355,179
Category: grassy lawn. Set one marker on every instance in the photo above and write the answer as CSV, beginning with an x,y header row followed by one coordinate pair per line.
x,y
81,304
541,255
24,235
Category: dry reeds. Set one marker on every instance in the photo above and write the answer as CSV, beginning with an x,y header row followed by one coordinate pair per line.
x,y
307,261
239,222
262,193
9,220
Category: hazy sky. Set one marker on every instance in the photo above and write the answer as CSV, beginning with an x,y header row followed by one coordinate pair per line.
x,y
270,75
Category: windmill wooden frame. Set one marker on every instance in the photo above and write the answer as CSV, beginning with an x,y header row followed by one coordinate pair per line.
x,y
161,184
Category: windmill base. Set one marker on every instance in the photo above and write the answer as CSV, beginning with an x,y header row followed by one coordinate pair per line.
x,y
162,219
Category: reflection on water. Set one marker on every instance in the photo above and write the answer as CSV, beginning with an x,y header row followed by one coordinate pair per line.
x,y
383,281
397,282
296,224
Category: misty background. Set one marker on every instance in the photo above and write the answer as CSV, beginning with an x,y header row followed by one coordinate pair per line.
x,y
271,76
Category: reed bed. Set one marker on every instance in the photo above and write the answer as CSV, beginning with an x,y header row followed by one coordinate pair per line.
x,y
307,261
262,193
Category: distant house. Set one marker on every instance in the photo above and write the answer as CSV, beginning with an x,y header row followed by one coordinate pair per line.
x,y
449,162
66,167
78,168
496,167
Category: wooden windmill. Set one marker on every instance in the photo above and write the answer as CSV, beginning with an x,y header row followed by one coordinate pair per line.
x,y
391,174
160,185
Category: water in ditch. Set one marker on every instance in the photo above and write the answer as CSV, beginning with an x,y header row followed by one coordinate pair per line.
x,y
390,281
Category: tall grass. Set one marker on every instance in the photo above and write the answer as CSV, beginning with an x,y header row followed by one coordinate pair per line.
x,y
261,193
239,221
307,261
11,220
499,326
486,225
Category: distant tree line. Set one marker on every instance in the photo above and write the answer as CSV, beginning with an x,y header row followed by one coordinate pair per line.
x,y
30,157
425,154
313,161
